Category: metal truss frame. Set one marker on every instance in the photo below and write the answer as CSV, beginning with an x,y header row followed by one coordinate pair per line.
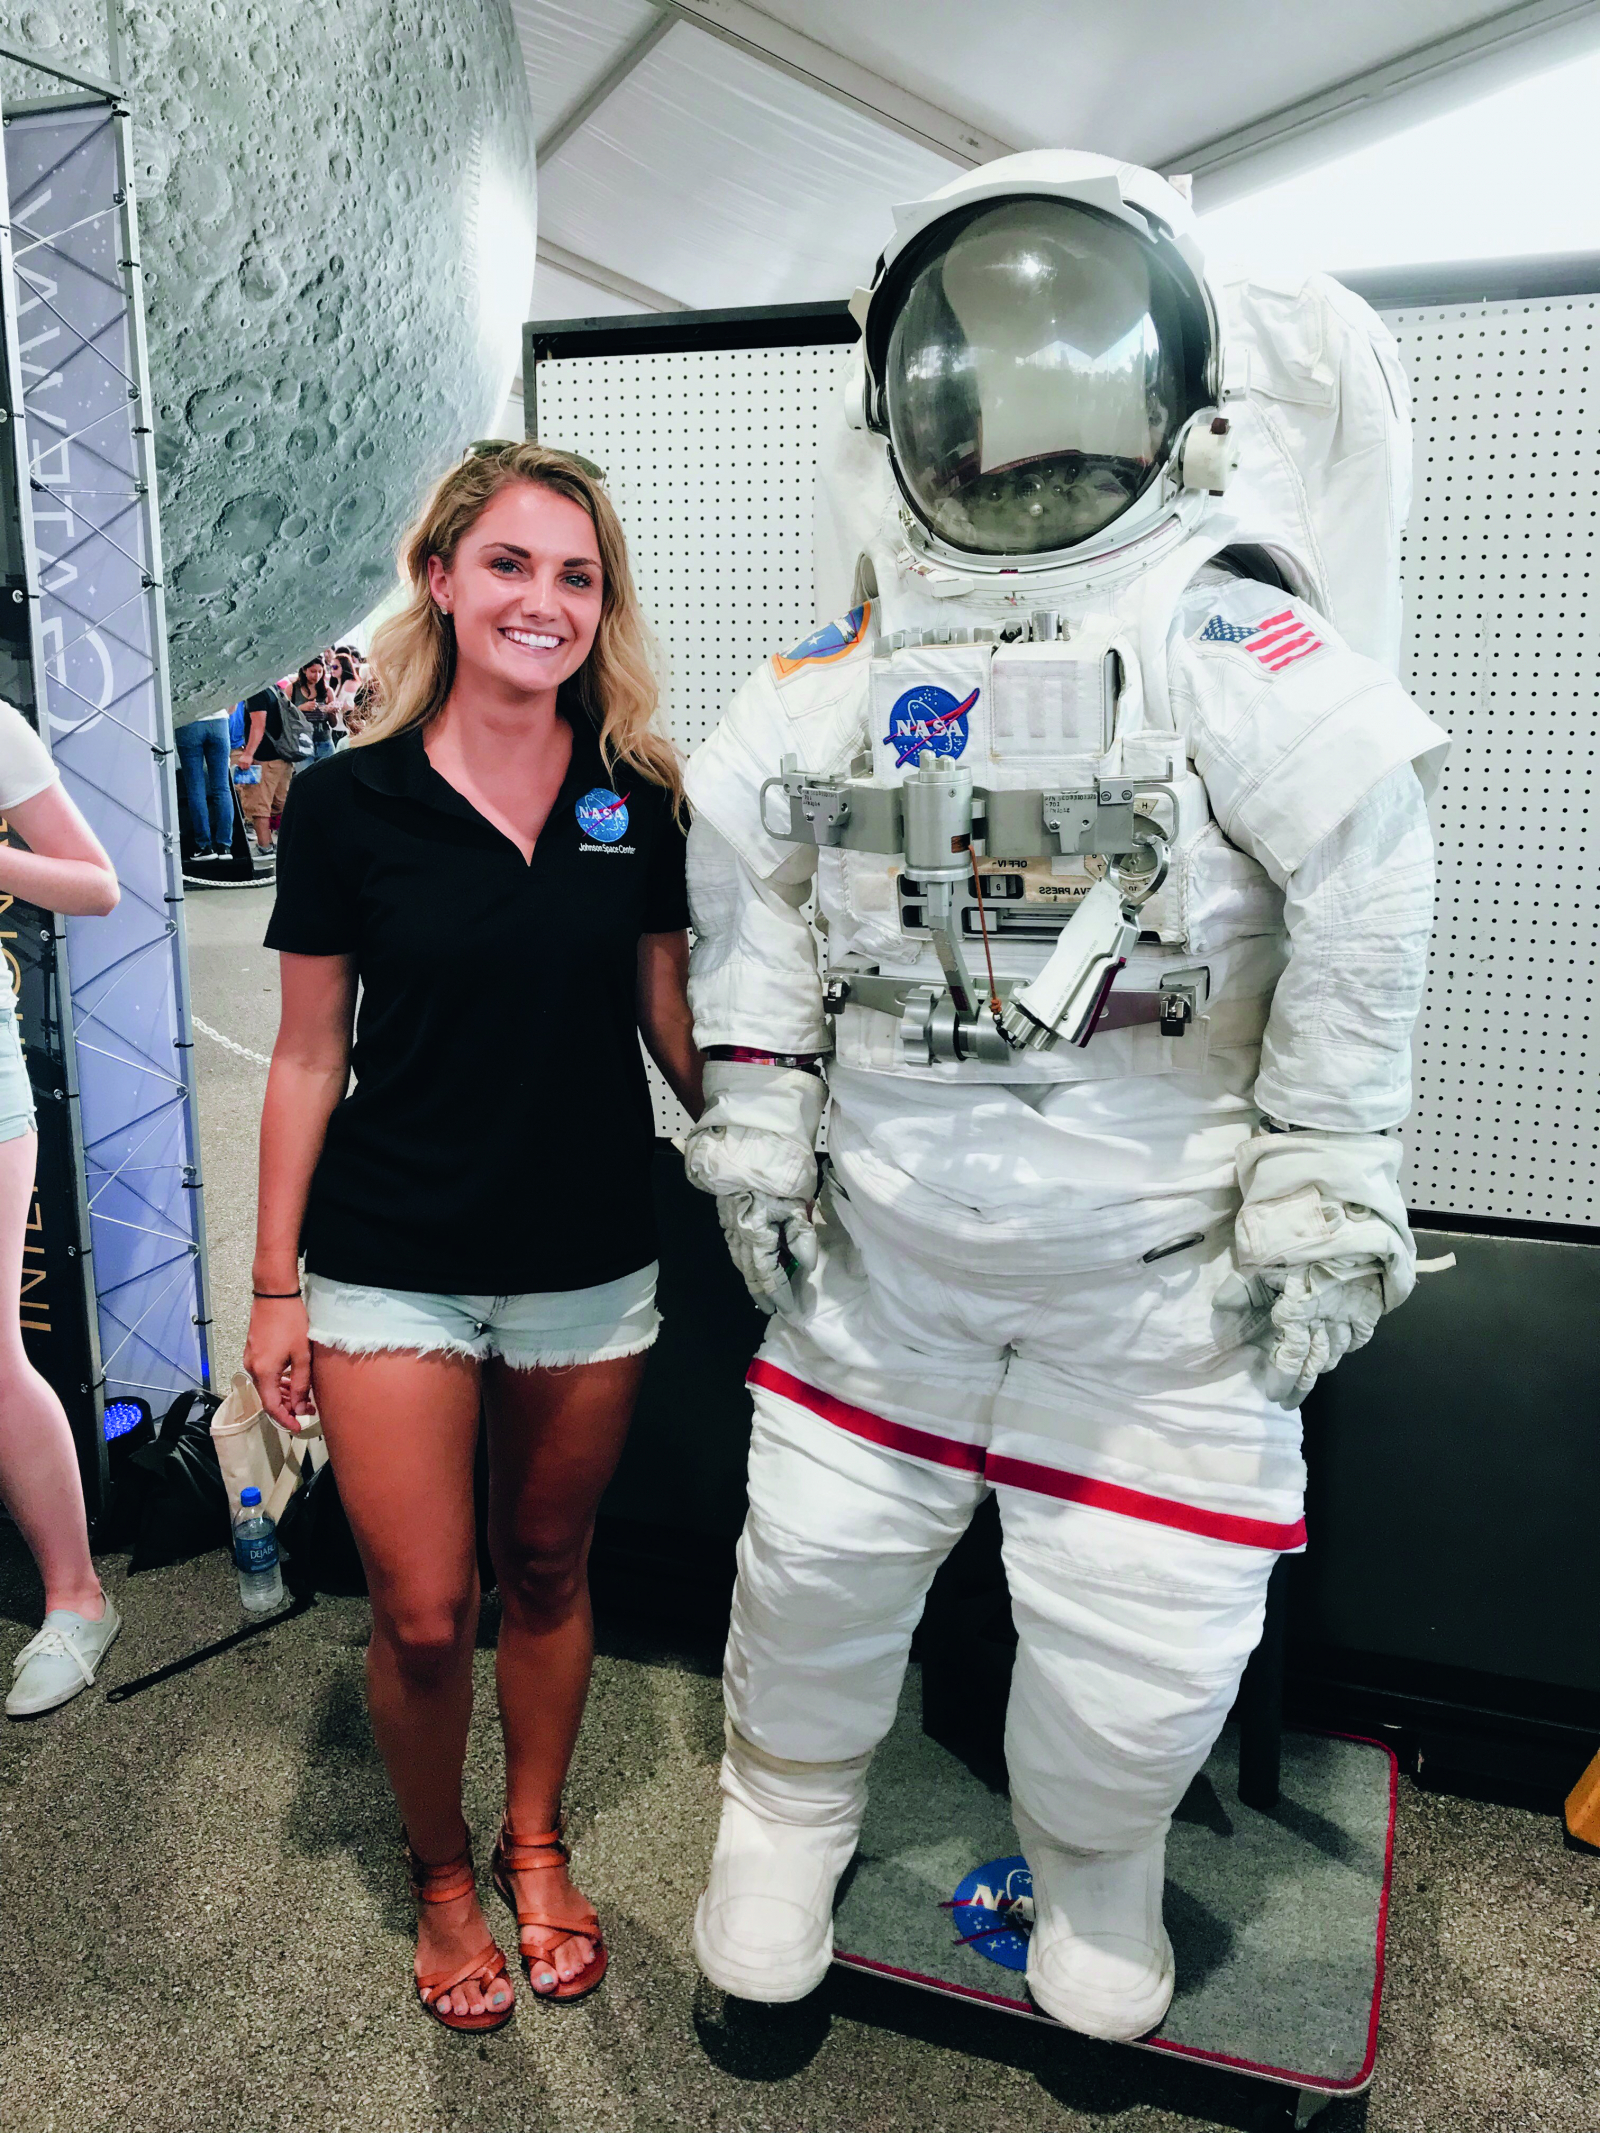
x,y
89,523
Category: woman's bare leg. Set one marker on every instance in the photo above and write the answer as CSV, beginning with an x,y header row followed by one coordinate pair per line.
x,y
401,1431
555,1437
39,1479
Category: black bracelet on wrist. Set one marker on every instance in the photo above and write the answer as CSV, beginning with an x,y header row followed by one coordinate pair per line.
x,y
275,1296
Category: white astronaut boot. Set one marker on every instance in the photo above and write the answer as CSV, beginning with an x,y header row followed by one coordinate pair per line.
x,y
1099,1959
763,1930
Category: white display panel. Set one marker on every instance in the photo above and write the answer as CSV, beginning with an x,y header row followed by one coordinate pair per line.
x,y
1502,643
711,460
710,457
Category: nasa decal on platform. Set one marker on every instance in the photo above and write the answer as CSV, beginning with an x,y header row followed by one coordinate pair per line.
x,y
928,717
992,1912
603,816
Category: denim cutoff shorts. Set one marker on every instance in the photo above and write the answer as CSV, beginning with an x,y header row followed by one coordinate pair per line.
x,y
16,1093
545,1330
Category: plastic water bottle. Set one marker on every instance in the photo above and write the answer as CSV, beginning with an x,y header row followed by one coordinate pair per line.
x,y
255,1552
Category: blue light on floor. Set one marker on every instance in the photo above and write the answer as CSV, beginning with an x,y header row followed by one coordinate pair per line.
x,y
122,1416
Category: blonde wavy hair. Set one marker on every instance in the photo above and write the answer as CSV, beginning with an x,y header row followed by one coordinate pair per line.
x,y
413,656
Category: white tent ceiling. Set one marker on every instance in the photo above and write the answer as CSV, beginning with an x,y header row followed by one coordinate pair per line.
x,y
712,153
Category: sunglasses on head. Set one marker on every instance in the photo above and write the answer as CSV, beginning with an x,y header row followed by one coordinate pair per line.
x,y
491,447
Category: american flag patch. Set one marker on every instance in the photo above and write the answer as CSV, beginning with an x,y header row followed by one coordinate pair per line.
x,y
1275,644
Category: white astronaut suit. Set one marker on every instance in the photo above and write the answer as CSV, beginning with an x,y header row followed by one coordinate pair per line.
x,y
1083,1240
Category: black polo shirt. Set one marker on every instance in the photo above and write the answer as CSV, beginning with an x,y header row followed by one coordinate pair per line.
x,y
498,1136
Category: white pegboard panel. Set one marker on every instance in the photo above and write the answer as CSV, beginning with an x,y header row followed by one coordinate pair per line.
x,y
711,459
1503,649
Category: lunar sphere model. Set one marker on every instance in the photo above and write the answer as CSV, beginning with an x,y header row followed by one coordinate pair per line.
x,y
336,208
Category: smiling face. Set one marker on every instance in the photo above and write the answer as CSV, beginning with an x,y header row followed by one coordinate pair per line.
x,y
525,591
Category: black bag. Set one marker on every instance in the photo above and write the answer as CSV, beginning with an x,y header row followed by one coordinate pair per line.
x,y
169,1502
319,1550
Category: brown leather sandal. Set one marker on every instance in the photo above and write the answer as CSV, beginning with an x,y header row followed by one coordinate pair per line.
x,y
517,1855
445,1884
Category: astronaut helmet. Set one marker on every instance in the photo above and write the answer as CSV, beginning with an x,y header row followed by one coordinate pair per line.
x,y
1043,358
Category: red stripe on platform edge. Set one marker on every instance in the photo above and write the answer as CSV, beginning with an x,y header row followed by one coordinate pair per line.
x,y
894,1436
1134,1503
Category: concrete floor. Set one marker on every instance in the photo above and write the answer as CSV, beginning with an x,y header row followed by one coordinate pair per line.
x,y
204,1925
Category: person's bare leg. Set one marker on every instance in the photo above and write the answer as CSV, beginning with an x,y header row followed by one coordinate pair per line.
x,y
555,1437
39,1481
401,1431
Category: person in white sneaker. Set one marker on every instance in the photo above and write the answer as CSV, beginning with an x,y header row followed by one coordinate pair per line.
x,y
60,866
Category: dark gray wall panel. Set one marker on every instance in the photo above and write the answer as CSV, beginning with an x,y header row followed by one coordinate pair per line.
x,y
1455,1487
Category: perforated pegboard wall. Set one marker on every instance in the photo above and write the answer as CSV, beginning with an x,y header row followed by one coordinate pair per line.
x,y
1502,648
711,460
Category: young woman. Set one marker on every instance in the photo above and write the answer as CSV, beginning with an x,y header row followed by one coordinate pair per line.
x,y
346,679
62,868
313,694
497,862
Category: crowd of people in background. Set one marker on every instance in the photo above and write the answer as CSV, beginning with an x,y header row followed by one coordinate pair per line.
x,y
258,745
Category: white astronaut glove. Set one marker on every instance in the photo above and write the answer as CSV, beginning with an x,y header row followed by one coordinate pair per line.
x,y
1323,1242
1319,1314
767,1237
754,1147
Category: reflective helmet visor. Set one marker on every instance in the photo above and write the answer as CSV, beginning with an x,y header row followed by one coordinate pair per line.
x,y
1041,360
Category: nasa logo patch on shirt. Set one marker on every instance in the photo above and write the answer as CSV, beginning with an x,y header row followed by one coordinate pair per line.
x,y
603,815
1275,643
928,716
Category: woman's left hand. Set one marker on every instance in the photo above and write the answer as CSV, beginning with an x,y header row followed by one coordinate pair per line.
x,y
277,1356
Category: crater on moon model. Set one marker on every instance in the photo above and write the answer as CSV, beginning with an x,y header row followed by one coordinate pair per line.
x,y
330,197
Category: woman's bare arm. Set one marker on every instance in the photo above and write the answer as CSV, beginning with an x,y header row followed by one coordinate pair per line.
x,y
64,868
664,1019
310,1070
256,726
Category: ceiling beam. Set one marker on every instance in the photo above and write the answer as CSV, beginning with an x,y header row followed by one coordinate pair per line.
x,y
747,29
1431,78
607,278
579,113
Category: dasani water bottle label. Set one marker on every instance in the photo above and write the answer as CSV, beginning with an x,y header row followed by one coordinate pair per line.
x,y
256,1552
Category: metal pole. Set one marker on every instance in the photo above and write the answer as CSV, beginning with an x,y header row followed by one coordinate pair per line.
x,y
116,49
1260,1702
